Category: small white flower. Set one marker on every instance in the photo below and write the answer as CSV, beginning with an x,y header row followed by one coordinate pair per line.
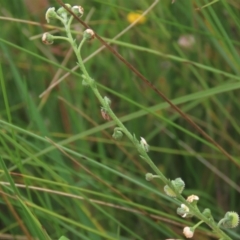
x,y
192,198
186,209
144,144
143,141
188,232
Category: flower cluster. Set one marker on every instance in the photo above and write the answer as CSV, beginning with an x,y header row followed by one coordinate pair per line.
x,y
63,15
62,12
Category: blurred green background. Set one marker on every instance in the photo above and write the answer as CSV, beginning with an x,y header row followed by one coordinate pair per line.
x,y
74,178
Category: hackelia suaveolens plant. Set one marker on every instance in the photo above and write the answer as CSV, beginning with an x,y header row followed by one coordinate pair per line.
x,y
173,188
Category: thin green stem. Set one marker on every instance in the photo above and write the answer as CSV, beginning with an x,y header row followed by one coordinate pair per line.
x,y
70,21
61,38
195,226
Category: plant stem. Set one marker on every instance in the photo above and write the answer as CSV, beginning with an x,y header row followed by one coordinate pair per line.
x,y
132,138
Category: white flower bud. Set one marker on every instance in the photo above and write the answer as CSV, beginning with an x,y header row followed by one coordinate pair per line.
x,y
47,38
184,211
78,10
188,232
144,144
149,176
192,198
50,14
88,34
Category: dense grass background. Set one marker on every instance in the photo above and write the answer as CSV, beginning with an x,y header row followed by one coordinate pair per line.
x,y
71,175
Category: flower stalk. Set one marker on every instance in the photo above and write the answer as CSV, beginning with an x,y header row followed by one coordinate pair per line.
x,y
174,187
